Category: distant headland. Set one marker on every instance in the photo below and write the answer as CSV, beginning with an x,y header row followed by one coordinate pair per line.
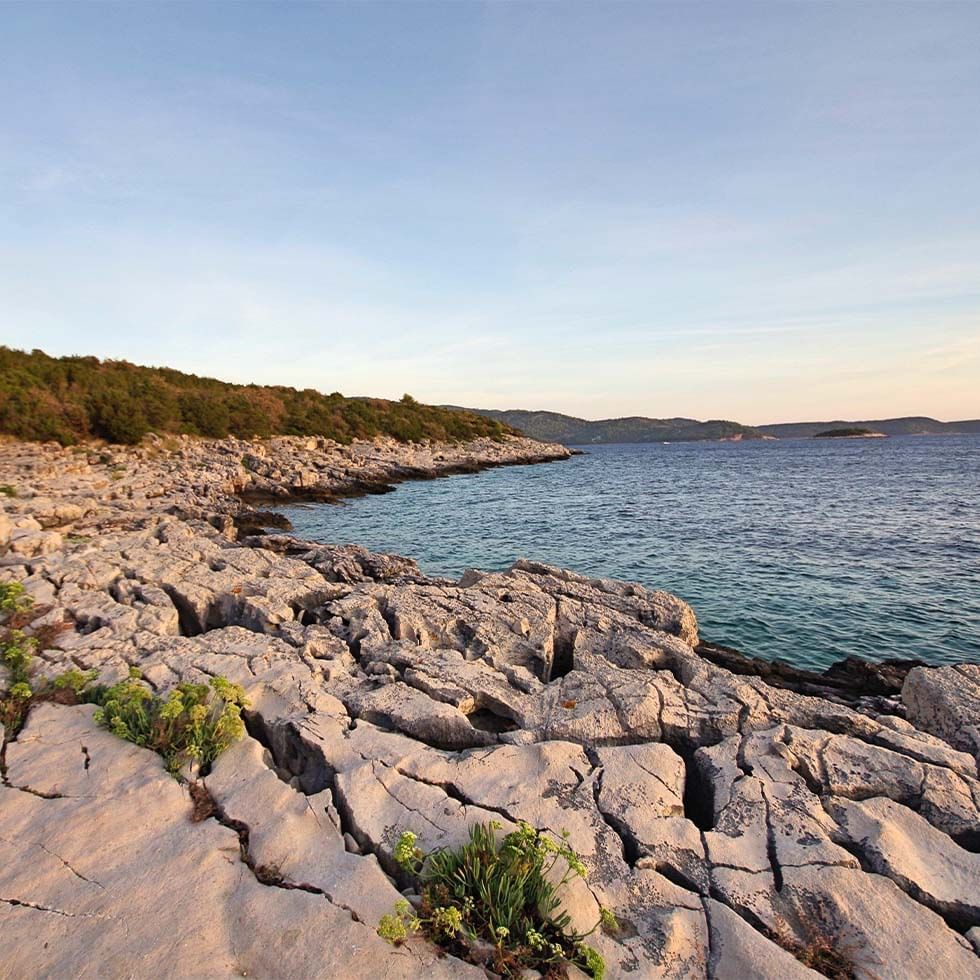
x,y
571,431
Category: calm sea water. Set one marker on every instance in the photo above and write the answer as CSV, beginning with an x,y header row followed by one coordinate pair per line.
x,y
805,550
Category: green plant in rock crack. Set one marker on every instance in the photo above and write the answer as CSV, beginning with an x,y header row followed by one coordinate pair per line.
x,y
16,655
500,894
194,723
25,686
13,599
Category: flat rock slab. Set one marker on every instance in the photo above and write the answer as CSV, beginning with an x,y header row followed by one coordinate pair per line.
x,y
895,841
107,876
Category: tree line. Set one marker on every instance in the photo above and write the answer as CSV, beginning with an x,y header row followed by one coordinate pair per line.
x,y
73,399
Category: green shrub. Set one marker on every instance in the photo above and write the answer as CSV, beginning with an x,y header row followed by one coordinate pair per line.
x,y
195,723
75,681
117,415
17,655
13,599
6,490
498,892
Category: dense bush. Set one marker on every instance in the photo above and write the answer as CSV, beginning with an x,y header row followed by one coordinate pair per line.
x,y
497,894
69,399
194,724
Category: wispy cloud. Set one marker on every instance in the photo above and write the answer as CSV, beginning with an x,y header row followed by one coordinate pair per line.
x,y
616,211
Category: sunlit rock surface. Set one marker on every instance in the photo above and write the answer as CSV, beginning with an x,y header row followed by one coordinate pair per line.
x,y
733,827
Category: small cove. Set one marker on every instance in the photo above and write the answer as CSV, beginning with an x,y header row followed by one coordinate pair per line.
x,y
803,550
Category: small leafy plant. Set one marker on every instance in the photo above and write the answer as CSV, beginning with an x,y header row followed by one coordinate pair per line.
x,y
497,894
6,490
13,599
194,723
16,654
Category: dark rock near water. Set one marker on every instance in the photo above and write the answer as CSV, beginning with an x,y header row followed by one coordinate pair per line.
x,y
849,681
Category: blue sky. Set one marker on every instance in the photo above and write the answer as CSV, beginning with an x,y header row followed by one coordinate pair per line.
x,y
750,211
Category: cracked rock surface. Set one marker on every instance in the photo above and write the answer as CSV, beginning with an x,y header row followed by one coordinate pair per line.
x,y
733,827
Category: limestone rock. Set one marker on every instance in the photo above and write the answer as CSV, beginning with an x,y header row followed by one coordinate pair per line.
x,y
946,702
738,951
105,875
876,926
728,823
896,842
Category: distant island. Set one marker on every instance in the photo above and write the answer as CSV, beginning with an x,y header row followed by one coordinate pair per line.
x,y
572,431
912,425
849,433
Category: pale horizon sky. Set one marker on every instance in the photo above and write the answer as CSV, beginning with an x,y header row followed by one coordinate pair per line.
x,y
761,212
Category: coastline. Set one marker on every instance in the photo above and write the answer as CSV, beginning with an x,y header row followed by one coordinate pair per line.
x,y
721,814
205,478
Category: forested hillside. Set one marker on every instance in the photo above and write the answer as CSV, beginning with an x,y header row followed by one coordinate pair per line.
x,y
70,399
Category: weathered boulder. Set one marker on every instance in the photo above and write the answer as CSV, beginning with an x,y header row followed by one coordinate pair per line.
x,y
946,702
739,951
876,928
896,842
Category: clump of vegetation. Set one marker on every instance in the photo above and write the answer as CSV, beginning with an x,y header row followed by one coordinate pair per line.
x,y
496,894
194,723
70,399
6,490
823,954
13,599
18,653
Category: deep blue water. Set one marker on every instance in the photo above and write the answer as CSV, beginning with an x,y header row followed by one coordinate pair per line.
x,y
807,550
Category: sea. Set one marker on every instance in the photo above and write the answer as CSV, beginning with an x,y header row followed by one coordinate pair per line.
x,y
803,550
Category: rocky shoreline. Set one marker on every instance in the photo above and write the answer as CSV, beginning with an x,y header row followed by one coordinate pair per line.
x,y
736,824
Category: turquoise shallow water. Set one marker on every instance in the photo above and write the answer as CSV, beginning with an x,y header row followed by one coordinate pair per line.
x,y
806,550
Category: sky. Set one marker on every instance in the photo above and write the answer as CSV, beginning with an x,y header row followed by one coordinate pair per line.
x,y
760,212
